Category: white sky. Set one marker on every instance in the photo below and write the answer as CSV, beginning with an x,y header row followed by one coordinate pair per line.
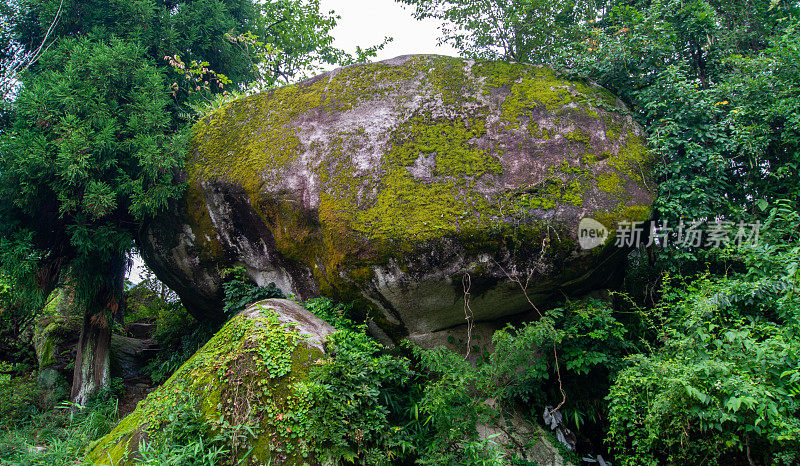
x,y
367,22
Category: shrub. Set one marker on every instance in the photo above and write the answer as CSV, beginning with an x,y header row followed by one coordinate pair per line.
x,y
17,396
356,395
449,405
590,344
188,439
61,433
240,292
337,314
142,304
723,388
722,385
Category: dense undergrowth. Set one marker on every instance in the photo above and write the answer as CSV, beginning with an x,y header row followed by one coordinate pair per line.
x,y
31,435
706,375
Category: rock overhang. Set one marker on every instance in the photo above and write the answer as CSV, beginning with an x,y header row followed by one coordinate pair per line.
x,y
387,181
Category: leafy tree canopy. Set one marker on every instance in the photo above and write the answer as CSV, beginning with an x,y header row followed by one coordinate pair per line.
x,y
525,30
714,86
99,97
268,43
97,136
90,155
192,28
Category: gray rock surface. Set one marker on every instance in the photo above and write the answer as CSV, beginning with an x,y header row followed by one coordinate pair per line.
x,y
396,183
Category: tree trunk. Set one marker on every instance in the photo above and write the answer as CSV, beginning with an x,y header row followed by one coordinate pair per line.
x,y
92,363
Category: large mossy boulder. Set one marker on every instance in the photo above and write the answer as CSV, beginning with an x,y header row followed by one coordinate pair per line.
x,y
249,374
402,182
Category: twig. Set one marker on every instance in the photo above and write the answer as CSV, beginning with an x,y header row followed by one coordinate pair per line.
x,y
466,283
524,289
26,62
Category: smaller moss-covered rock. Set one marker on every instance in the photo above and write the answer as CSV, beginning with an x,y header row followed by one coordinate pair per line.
x,y
55,339
56,332
526,441
53,387
249,374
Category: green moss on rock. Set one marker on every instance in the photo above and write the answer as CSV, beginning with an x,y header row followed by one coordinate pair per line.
x,y
448,78
249,373
549,91
578,135
565,184
419,209
364,166
252,141
200,221
55,329
45,343
451,141
633,159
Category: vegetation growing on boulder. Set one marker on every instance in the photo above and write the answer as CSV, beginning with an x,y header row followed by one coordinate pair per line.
x,y
246,375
